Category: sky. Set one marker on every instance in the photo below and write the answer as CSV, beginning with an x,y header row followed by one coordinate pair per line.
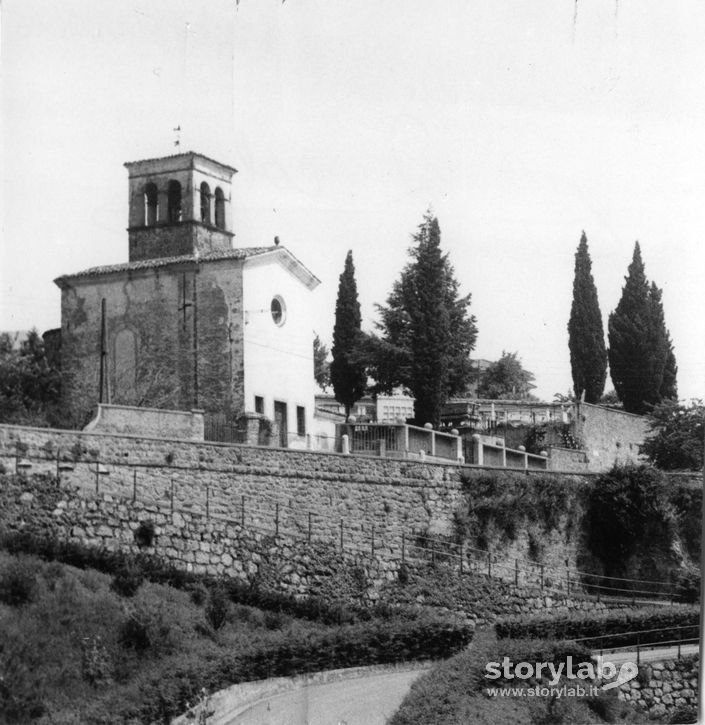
x,y
520,124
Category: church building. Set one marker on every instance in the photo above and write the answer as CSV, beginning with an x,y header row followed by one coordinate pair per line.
x,y
191,321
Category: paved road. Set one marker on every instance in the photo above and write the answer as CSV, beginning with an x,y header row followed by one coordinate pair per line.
x,y
368,700
650,655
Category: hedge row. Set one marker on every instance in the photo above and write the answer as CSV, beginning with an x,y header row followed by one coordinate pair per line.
x,y
616,628
160,698
454,691
155,569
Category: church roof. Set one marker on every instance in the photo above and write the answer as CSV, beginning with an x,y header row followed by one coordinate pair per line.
x,y
214,256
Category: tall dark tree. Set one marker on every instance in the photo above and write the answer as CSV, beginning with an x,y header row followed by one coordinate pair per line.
x,y
347,369
642,363
586,335
668,389
427,334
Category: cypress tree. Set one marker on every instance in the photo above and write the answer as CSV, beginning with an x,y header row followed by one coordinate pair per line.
x,y
347,369
666,360
642,362
427,332
586,336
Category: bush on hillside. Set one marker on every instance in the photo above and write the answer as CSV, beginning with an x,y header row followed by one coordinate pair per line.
x,y
454,691
17,583
498,505
688,587
163,696
629,511
127,579
217,607
21,687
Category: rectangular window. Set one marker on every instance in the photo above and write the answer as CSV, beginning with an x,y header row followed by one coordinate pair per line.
x,y
300,420
259,404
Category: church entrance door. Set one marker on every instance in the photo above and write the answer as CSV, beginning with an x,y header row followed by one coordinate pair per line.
x,y
280,420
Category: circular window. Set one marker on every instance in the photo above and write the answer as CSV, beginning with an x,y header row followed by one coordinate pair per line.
x,y
278,309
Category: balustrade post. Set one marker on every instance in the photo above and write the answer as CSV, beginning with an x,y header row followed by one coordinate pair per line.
x,y
478,452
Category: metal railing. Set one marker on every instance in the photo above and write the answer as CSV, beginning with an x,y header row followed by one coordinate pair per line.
x,y
646,639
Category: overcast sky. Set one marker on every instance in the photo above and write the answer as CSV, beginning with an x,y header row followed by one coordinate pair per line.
x,y
519,123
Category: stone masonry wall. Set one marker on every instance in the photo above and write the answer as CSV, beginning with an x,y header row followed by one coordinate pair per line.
x,y
609,436
244,510
662,687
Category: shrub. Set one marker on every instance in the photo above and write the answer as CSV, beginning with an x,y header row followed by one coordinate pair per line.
x,y
498,505
629,509
199,594
403,574
274,620
688,587
288,653
17,583
454,691
217,607
144,534
147,626
21,685
96,666
127,580
134,633
684,714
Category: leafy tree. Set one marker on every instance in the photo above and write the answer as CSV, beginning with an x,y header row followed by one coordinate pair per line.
x,y
586,336
427,334
642,363
506,379
347,370
321,366
29,386
676,439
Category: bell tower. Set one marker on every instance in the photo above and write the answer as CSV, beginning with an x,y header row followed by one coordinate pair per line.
x,y
179,205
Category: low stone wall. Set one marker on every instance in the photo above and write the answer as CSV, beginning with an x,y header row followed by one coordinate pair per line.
x,y
127,420
662,687
567,460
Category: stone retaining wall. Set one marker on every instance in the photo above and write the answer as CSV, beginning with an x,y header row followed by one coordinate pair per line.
x,y
252,511
662,687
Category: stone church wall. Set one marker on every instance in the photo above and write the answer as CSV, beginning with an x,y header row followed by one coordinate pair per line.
x,y
149,339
